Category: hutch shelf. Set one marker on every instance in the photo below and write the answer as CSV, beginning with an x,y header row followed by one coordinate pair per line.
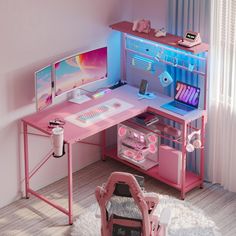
x,y
153,48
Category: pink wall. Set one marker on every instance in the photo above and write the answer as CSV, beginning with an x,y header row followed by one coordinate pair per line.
x,y
33,34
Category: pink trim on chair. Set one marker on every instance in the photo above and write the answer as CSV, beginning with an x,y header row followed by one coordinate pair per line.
x,y
145,202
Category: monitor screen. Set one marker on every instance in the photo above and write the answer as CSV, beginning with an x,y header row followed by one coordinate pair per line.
x,y
191,36
187,94
80,69
43,87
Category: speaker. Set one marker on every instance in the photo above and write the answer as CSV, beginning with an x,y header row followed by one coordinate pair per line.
x,y
165,79
194,141
143,87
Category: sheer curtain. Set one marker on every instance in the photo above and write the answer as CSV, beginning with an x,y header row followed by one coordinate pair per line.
x,y
222,95
189,15
220,159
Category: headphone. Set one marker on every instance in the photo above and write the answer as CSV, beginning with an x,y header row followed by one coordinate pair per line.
x,y
196,143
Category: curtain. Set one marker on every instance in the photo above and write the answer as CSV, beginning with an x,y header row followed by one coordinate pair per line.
x,y
190,15
222,95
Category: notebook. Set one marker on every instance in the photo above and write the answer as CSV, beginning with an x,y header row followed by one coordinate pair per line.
x,y
186,99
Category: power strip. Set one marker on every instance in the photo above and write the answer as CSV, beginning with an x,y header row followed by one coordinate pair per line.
x,y
117,85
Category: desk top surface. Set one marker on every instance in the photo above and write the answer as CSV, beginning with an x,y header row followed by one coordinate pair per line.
x,y
74,133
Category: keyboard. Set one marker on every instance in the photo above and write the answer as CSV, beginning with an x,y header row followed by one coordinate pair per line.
x,y
178,107
188,44
89,115
99,112
181,106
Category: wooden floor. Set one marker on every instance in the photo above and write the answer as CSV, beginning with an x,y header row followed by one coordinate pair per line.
x,y
34,217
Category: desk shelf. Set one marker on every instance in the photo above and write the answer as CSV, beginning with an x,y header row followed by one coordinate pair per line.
x,y
173,172
191,179
159,53
144,56
169,40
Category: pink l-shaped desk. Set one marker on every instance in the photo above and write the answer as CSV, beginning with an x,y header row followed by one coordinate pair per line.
x,y
74,134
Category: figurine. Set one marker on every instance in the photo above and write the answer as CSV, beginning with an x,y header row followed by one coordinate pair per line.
x,y
142,26
160,32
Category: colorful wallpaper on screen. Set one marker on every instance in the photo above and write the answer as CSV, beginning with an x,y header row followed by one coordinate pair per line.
x,y
187,94
80,69
43,87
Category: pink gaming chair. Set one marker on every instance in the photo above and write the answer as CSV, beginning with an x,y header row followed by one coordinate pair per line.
x,y
127,210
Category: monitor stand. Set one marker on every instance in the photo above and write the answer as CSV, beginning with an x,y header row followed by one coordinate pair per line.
x,y
78,98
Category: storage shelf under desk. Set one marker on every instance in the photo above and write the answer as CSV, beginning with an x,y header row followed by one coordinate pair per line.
x,y
191,180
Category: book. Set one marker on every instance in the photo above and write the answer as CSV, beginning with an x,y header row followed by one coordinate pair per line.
x,y
146,118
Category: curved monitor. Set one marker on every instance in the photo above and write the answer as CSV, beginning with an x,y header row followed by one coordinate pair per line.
x,y
43,87
80,69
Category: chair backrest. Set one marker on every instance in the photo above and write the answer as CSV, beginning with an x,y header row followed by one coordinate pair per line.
x,y
123,184
122,189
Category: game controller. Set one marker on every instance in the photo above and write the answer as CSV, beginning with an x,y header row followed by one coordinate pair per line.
x,y
160,32
55,123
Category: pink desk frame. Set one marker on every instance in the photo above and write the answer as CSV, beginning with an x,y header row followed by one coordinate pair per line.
x,y
74,134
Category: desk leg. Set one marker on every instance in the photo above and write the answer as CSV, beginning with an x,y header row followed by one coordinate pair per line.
x,y
70,184
202,151
183,176
26,159
103,144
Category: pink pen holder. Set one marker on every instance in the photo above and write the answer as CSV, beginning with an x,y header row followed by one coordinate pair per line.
x,y
58,141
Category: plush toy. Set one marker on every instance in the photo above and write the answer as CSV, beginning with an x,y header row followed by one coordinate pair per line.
x,y
142,26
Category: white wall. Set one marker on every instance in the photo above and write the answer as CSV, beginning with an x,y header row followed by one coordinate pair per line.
x,y
33,34
154,10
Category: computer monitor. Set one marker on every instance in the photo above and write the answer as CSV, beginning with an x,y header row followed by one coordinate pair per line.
x,y
80,69
43,87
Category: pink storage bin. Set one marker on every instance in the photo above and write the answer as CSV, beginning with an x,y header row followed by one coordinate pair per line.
x,y
170,163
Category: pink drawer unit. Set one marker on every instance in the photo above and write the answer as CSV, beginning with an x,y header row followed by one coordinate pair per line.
x,y
170,163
